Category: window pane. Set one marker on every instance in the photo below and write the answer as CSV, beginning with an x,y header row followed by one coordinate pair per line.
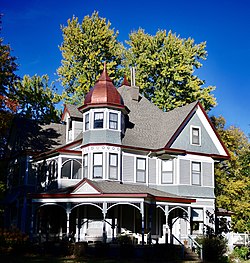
x,y
113,121
66,170
113,116
141,164
113,172
98,120
195,136
97,172
196,173
167,177
87,121
196,167
167,165
113,159
77,170
97,158
141,176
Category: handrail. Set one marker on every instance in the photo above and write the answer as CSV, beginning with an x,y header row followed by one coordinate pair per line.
x,y
198,245
182,246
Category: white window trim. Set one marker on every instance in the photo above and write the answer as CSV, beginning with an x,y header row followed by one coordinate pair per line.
x,y
191,135
106,113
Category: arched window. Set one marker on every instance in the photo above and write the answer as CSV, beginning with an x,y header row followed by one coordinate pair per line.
x,y
72,169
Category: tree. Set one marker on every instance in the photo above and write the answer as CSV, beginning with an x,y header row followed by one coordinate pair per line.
x,y
232,176
85,48
165,65
37,99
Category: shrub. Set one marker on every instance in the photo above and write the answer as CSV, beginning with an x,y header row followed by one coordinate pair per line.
x,y
214,248
241,252
13,239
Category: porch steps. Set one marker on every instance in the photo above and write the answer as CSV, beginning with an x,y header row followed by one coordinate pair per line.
x,y
191,256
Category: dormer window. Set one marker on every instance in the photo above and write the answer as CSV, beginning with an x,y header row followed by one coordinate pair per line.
x,y
87,122
195,135
113,121
98,120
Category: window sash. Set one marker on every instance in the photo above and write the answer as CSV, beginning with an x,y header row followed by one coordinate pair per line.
x,y
113,166
196,173
85,165
87,122
97,165
141,170
113,121
167,172
98,120
196,136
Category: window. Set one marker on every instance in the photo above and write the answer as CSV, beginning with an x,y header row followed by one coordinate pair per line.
x,y
195,136
87,122
113,121
113,166
196,173
98,120
167,172
97,167
71,169
141,170
85,165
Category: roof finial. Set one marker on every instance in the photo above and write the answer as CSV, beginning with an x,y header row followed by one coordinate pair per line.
x,y
105,66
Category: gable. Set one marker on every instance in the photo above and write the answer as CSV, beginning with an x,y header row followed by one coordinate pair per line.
x,y
85,188
210,143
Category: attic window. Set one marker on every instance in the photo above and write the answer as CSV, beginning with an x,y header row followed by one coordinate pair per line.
x,y
195,136
98,120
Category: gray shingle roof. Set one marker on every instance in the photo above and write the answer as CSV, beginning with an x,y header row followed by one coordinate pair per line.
x,y
108,187
150,127
73,111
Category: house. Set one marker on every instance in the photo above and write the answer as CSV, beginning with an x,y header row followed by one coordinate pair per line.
x,y
116,165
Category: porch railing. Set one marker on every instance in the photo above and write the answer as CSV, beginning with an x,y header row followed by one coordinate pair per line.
x,y
193,241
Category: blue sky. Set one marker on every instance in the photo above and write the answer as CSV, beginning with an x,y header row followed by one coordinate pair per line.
x,y
32,28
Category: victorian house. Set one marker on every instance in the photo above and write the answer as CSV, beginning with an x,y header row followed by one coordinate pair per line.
x,y
115,165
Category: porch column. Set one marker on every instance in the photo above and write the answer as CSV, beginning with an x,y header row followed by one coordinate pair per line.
x,y
104,212
189,219
68,211
142,222
167,226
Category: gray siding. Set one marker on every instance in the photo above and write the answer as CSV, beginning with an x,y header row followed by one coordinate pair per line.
x,y
207,174
184,172
102,136
128,169
152,171
183,141
188,190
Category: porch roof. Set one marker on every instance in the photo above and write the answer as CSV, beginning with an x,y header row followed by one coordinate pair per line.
x,y
88,188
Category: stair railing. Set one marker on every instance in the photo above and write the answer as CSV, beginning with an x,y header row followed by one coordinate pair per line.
x,y
182,245
193,241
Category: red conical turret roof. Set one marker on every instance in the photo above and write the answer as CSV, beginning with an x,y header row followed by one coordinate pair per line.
x,y
104,93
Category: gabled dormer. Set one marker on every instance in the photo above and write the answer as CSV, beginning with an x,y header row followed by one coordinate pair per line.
x,y
73,121
103,113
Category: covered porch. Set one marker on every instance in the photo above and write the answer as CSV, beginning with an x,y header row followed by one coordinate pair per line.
x,y
92,213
